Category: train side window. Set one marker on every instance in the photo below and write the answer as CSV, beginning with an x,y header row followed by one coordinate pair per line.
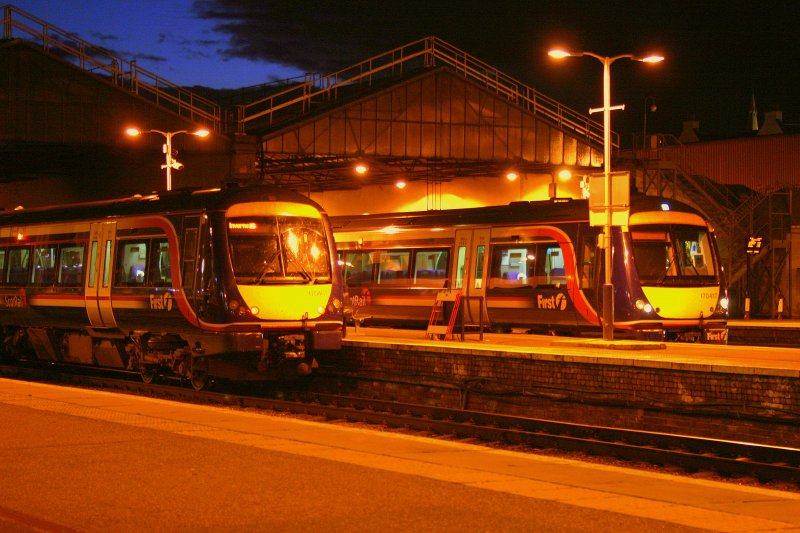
x,y
189,255
461,263
18,261
513,265
430,268
92,263
44,265
550,267
479,257
587,262
357,269
2,265
393,267
160,268
130,264
70,267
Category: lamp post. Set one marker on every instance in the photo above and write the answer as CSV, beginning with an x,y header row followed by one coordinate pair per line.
x,y
652,108
608,288
170,162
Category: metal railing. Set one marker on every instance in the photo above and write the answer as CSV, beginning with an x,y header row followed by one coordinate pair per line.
x,y
104,63
427,52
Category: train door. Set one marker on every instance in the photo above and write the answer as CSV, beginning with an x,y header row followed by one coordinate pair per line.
x,y
100,274
470,272
190,269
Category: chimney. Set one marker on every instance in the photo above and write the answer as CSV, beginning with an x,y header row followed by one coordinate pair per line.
x,y
773,123
753,114
689,133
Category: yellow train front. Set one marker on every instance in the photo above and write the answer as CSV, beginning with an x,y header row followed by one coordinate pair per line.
x,y
538,266
237,283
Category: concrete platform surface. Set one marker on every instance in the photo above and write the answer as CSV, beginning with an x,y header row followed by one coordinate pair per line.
x,y
768,360
80,460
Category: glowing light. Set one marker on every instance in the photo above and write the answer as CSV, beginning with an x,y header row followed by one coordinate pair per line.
x,y
665,206
255,310
564,174
292,242
361,168
400,184
390,230
20,236
242,225
512,175
652,59
724,302
314,251
133,132
558,53
202,133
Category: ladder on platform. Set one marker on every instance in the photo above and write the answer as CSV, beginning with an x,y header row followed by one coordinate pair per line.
x,y
444,313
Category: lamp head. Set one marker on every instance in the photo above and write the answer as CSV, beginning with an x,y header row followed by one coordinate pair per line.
x,y
133,132
559,54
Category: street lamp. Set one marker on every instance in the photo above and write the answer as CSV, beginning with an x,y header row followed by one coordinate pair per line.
x,y
170,162
564,174
608,288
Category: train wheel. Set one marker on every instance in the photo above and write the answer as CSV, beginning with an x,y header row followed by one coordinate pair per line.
x,y
198,374
200,381
149,374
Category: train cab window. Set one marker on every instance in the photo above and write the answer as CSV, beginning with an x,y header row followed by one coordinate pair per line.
x,y
670,254
430,268
18,262
44,263
130,264
160,269
70,266
393,267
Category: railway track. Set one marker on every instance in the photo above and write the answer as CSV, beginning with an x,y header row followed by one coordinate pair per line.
x,y
729,459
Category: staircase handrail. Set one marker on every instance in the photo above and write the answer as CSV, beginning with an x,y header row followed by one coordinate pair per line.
x,y
429,50
121,72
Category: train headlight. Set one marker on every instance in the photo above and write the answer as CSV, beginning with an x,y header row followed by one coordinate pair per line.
x,y
641,305
255,310
724,302
234,305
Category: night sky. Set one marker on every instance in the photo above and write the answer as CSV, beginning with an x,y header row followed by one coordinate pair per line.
x,y
719,55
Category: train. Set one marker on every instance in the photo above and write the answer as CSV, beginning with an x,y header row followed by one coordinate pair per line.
x,y
537,267
234,283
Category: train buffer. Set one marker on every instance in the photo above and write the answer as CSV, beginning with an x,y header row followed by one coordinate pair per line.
x,y
444,313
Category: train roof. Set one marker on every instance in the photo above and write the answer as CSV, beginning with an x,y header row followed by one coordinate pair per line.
x,y
176,201
562,210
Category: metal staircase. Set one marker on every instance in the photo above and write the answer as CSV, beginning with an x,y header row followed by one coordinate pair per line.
x,y
317,90
124,74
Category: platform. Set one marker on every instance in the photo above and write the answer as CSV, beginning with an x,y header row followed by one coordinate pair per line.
x,y
80,460
742,393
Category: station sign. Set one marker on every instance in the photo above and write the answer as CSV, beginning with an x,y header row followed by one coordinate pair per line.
x,y
754,244
620,198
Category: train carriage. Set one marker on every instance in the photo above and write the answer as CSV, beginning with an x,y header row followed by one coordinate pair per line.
x,y
537,266
238,283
